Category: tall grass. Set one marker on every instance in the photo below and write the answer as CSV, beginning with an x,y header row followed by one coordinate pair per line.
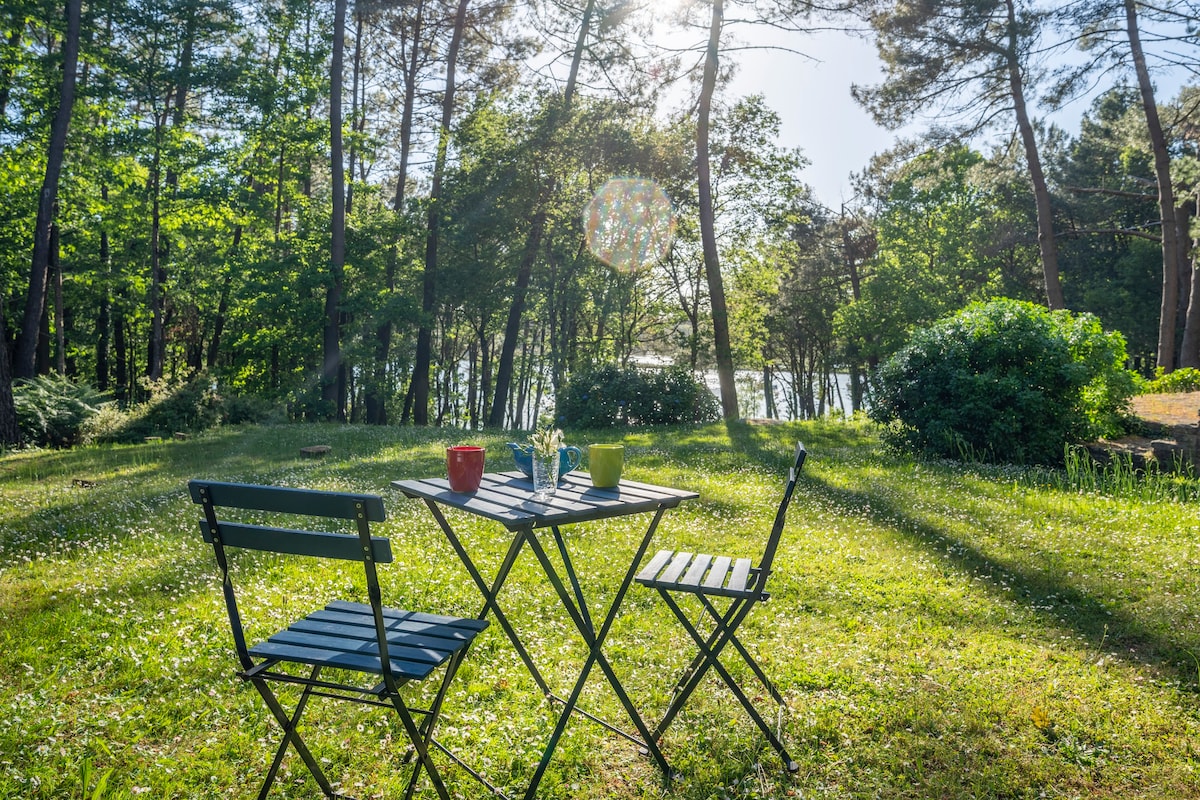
x,y
1121,478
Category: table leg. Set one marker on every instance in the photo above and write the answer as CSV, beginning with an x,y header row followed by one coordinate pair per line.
x,y
580,604
595,642
490,593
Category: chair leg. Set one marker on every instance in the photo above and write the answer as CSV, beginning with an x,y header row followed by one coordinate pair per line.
x,y
700,664
722,623
710,650
710,658
788,762
427,724
418,740
733,639
290,735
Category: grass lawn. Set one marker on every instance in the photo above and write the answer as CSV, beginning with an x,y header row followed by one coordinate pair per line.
x,y
938,631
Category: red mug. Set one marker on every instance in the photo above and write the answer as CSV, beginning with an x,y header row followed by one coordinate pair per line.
x,y
464,467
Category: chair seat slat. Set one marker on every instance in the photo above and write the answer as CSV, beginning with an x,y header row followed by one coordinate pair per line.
x,y
359,662
401,615
353,644
652,568
696,570
716,575
737,578
678,563
440,638
366,626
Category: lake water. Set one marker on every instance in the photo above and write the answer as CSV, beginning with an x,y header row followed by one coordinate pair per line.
x,y
752,398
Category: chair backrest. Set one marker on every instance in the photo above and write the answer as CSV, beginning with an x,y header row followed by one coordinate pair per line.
x,y
363,509
764,565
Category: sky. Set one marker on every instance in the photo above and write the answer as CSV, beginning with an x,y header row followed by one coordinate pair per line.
x,y
838,136
810,90
811,94
818,115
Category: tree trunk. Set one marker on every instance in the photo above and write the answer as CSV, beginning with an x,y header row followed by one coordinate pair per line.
x,y
1047,244
42,362
60,314
331,358
1166,196
120,353
355,109
155,350
537,226
424,355
10,435
485,370
279,185
183,88
214,345
708,235
14,41
375,395
1189,353
512,329
35,300
103,323
156,353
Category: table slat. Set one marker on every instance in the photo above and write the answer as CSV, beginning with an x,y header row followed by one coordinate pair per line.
x,y
507,497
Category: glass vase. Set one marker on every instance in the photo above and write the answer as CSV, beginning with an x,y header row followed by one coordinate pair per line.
x,y
545,475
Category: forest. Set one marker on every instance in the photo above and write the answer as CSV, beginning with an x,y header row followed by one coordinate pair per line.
x,y
440,212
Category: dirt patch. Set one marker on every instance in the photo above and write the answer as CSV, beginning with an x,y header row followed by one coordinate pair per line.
x,y
1182,408
1170,435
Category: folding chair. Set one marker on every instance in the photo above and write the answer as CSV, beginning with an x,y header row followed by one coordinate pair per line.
x,y
346,638
707,578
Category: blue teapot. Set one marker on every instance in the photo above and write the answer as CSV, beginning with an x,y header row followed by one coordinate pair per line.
x,y
569,457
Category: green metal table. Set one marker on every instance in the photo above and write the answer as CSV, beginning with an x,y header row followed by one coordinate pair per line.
x,y
507,498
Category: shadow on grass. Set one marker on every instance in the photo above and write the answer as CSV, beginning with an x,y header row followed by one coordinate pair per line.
x,y
1104,626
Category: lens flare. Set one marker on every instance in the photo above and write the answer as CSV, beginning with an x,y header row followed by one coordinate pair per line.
x,y
629,224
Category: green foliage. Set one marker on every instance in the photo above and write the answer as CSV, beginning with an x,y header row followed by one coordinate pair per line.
x,y
1185,379
946,238
1004,381
189,407
1114,275
609,397
52,410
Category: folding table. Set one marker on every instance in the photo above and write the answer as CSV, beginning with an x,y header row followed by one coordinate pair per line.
x,y
507,498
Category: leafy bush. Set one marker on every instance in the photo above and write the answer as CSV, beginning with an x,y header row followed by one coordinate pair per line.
x,y
1186,379
243,409
608,397
188,407
52,410
1004,381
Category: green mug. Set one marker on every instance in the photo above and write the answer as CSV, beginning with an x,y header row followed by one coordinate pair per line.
x,y
604,464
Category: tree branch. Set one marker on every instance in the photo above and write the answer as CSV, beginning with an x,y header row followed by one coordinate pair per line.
x,y
1110,192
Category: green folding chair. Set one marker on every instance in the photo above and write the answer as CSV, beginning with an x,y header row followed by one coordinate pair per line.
x,y
331,652
713,580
